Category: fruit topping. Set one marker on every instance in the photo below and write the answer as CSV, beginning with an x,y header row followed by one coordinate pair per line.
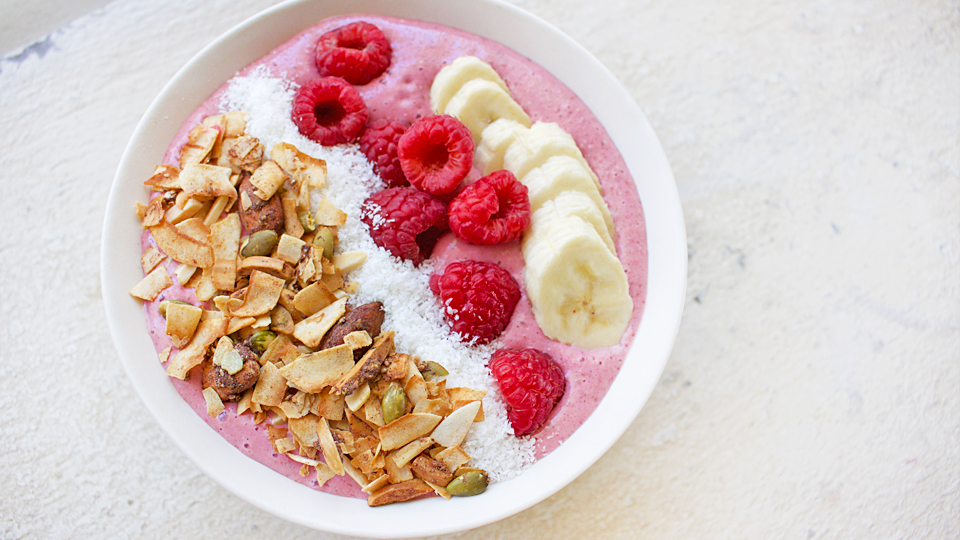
x,y
329,111
531,383
357,52
379,142
404,221
478,298
493,210
436,153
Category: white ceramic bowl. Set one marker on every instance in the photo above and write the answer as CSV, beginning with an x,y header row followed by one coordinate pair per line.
x,y
257,484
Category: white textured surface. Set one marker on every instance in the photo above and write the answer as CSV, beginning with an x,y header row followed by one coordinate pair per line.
x,y
813,391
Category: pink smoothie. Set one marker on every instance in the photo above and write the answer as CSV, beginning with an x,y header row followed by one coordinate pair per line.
x,y
420,50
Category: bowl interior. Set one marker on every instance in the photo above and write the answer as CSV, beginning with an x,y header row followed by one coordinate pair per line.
x,y
272,492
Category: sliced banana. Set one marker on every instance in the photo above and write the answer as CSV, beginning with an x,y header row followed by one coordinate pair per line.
x,y
452,77
541,142
559,174
494,141
577,287
480,102
565,205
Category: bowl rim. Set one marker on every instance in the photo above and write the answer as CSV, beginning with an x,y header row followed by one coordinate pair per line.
x,y
259,485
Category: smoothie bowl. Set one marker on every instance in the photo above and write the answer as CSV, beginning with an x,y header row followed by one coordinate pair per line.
x,y
524,105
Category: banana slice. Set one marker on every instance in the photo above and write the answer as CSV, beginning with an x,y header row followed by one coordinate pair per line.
x,y
452,77
577,287
565,205
480,102
557,175
494,141
541,142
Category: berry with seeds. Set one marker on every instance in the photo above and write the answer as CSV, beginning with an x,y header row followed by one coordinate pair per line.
x,y
531,383
379,141
436,153
477,297
493,210
405,221
357,53
329,111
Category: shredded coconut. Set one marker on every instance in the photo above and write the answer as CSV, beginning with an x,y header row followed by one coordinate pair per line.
x,y
411,309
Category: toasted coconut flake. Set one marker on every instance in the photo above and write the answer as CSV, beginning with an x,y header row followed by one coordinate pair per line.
x,y
195,230
453,458
324,474
281,321
246,402
180,247
151,258
267,179
398,473
244,153
289,249
304,430
261,296
440,490
152,284
164,177
313,298
316,371
207,181
329,448
379,483
312,329
182,321
357,340
284,446
208,331
199,143
291,220
165,355
271,386
350,260
416,389
214,403
329,215
330,405
407,428
270,265
373,412
280,351
235,122
224,239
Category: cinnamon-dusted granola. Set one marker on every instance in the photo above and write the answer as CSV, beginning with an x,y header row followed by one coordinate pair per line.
x,y
274,329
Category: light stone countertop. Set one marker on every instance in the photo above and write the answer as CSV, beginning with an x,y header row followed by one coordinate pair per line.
x,y
814,389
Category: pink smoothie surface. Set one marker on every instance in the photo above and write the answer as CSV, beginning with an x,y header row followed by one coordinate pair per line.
x,y
420,50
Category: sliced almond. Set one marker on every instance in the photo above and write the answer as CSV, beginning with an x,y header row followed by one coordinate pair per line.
x,y
224,239
405,454
454,427
350,260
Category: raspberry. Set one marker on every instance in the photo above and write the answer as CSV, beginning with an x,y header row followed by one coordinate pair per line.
x,y
531,384
404,221
436,153
378,141
329,111
492,210
357,52
478,298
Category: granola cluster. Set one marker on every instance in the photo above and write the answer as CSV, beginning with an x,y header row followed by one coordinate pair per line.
x,y
273,328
